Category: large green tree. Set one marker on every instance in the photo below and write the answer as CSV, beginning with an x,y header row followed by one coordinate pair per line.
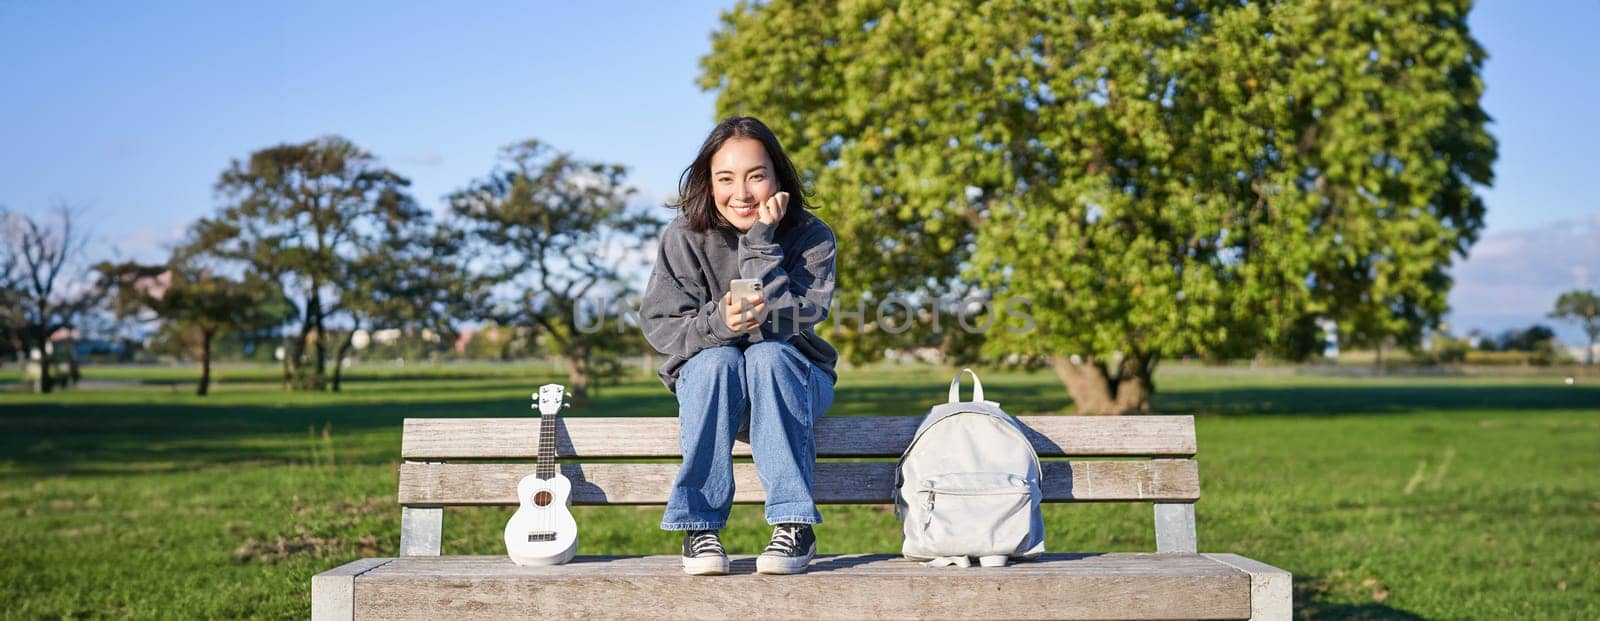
x,y
1583,307
554,232
1152,178
300,214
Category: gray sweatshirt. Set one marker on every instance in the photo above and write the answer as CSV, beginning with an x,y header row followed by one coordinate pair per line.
x,y
681,312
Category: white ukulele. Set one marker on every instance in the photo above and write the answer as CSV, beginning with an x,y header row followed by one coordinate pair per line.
x,y
542,532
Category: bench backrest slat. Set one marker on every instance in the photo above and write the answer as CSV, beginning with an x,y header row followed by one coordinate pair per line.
x,y
1158,480
442,439
634,461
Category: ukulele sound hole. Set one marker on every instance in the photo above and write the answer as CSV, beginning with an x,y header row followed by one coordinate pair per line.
x,y
542,499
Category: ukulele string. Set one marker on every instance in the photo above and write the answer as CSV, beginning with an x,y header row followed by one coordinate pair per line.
x,y
538,469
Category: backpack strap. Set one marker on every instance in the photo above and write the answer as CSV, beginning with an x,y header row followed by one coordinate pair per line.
x,y
947,561
955,387
955,406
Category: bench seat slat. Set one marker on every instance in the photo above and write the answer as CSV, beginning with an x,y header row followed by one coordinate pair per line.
x,y
422,484
845,436
1154,586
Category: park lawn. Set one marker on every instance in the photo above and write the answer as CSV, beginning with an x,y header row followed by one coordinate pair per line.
x,y
1389,498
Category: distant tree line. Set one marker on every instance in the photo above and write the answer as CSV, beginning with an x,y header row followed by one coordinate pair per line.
x,y
1535,344
317,242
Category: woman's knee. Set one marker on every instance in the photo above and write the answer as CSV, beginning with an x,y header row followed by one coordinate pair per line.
x,y
716,360
711,386
769,358
714,363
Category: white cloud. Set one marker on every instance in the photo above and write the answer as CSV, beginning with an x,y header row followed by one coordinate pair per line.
x,y
1496,247
1511,279
156,235
151,243
431,159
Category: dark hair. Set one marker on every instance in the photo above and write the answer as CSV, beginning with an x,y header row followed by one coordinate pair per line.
x,y
694,185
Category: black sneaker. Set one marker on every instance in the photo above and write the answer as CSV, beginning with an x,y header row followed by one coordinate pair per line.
x,y
703,555
790,550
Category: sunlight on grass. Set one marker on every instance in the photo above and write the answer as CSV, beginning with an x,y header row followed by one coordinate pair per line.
x,y
1387,497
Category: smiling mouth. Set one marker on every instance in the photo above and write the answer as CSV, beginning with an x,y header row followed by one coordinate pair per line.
x,y
743,211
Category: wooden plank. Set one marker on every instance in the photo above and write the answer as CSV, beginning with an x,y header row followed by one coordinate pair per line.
x,y
333,591
1129,564
1271,589
1109,586
1166,480
845,436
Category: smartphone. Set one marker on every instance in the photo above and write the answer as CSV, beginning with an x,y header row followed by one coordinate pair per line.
x,y
746,287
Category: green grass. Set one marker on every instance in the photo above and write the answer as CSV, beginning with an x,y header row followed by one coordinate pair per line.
x,y
1389,498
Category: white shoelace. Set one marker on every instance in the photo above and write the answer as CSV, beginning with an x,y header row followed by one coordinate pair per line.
x,y
783,540
705,542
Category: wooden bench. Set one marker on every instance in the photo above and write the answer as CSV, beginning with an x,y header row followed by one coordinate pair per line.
x,y
1158,467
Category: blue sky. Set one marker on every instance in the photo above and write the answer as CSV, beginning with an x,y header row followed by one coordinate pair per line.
x,y
130,110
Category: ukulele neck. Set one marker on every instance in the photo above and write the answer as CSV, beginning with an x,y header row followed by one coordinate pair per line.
x,y
547,447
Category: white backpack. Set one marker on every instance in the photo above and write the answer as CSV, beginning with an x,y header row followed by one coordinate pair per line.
x,y
968,485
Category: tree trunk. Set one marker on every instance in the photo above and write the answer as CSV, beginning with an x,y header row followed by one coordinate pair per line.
x,y
46,383
320,371
1091,393
307,323
294,359
288,371
73,373
205,364
578,375
319,347
293,356
1136,383
1095,390
338,357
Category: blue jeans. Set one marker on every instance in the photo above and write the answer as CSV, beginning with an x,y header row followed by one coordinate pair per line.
x,y
784,395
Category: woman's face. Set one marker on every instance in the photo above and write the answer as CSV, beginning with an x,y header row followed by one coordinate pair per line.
x,y
741,179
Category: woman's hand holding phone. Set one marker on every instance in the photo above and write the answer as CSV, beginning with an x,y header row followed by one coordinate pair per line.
x,y
743,313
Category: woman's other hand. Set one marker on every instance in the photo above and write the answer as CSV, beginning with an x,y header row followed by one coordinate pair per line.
x,y
771,210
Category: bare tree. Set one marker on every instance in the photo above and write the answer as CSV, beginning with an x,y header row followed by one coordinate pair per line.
x,y
53,287
11,297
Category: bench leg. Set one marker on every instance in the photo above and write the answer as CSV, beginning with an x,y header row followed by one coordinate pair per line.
x,y
333,592
1271,589
421,530
1175,528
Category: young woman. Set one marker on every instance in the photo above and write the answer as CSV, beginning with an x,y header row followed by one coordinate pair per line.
x,y
750,364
